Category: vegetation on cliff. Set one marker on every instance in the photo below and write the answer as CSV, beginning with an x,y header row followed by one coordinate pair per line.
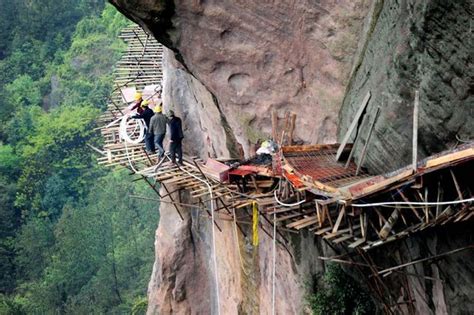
x,y
70,240
338,293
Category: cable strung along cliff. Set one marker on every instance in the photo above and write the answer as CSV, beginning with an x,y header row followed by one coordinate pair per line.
x,y
391,201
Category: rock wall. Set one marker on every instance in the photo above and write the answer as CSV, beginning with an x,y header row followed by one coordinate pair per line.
x,y
258,56
442,286
183,280
413,45
206,130
231,62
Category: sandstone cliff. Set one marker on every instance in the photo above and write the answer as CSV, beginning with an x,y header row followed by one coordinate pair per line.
x,y
231,62
263,55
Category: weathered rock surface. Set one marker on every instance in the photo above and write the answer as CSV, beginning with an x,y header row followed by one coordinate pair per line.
x,y
182,281
441,286
241,59
205,128
255,56
414,45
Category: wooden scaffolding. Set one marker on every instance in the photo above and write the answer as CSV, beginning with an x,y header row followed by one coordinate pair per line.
x,y
310,187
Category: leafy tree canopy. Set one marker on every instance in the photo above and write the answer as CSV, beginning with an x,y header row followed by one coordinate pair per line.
x,y
71,241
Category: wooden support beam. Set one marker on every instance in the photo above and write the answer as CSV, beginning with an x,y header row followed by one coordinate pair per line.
x,y
322,231
171,198
387,228
341,239
293,215
334,234
427,209
450,158
327,215
456,184
209,214
382,219
356,141
285,128
438,198
364,149
318,214
302,223
363,224
381,272
373,226
292,128
411,207
385,183
353,125
339,219
357,243
415,132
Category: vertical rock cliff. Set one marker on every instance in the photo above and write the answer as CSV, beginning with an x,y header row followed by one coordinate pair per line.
x,y
414,45
263,55
231,62
182,281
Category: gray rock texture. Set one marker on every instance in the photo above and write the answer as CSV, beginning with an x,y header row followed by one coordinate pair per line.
x,y
442,286
413,45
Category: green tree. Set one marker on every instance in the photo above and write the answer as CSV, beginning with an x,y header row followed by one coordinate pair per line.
x,y
33,245
70,239
339,294
23,91
9,223
103,252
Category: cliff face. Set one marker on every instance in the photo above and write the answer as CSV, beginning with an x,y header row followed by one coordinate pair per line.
x,y
182,281
255,56
413,45
231,62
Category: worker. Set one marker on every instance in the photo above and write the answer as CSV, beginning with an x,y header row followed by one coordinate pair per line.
x,y
138,103
158,129
176,137
146,115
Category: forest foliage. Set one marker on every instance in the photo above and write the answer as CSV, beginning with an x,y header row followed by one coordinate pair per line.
x,y
70,239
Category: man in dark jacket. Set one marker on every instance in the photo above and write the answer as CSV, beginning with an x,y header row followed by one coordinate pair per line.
x,y
176,137
158,129
146,115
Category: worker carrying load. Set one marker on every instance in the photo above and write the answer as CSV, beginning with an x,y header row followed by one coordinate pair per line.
x,y
176,137
158,129
146,114
138,103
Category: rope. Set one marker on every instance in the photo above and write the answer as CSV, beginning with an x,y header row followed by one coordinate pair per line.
x,y
388,203
254,224
287,204
214,258
123,133
125,123
274,263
